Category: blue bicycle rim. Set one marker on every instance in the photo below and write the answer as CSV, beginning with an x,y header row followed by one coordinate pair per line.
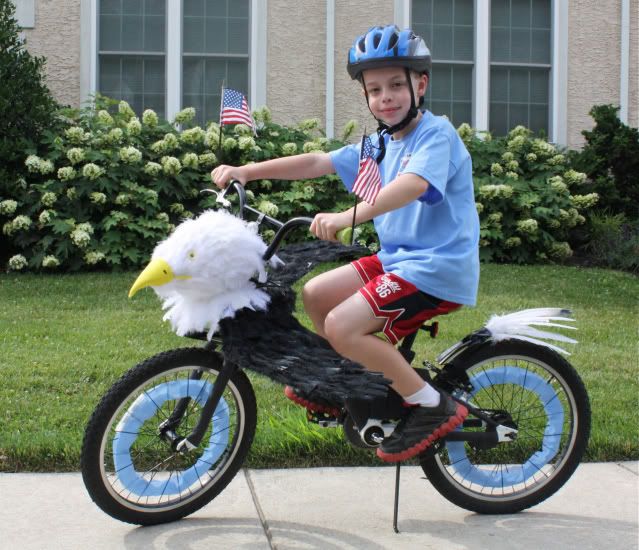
x,y
516,473
145,407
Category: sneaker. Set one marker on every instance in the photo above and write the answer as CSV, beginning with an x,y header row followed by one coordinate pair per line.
x,y
314,407
421,428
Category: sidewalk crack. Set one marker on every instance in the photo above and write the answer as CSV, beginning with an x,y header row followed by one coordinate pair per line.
x,y
622,465
260,512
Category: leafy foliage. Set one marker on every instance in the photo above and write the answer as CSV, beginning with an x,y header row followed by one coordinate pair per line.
x,y
26,105
610,158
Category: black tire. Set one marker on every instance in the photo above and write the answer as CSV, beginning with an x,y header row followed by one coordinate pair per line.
x,y
542,393
131,473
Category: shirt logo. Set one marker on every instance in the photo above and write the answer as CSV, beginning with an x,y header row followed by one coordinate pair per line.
x,y
403,162
387,286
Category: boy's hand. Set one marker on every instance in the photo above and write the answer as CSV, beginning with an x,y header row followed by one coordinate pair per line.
x,y
223,174
326,225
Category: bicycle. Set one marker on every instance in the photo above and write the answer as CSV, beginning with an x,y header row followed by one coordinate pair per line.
x,y
174,430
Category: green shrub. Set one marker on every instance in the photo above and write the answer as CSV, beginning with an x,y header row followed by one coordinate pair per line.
x,y
26,106
110,186
527,196
614,242
610,158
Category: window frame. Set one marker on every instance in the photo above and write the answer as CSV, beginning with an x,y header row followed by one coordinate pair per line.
x,y
258,10
558,97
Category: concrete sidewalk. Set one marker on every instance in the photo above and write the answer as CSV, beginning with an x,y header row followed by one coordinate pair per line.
x,y
329,508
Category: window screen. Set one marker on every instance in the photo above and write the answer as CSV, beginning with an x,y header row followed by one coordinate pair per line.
x,y
132,51
447,27
215,51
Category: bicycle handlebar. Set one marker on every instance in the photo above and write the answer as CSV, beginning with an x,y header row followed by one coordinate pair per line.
x,y
282,228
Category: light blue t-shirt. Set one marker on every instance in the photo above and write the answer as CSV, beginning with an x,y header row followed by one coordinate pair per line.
x,y
431,242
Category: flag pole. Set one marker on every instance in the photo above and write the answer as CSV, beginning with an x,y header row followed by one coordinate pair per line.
x,y
219,145
356,201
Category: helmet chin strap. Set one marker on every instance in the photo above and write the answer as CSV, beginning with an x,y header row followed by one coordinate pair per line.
x,y
383,128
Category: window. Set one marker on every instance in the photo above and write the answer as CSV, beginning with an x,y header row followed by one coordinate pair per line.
x,y
492,62
519,65
167,55
215,51
447,27
132,52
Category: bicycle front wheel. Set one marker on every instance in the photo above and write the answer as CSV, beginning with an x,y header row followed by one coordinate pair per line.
x,y
132,471
535,391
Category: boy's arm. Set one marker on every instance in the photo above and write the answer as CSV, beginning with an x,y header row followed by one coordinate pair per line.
x,y
402,190
305,166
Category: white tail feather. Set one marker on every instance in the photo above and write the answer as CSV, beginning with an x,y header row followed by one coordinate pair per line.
x,y
518,326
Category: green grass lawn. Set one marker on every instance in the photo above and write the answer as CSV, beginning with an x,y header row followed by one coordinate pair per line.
x,y
65,339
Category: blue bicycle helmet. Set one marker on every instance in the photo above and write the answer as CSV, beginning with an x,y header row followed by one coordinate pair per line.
x,y
388,47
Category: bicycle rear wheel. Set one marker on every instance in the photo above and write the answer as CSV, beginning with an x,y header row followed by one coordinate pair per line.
x,y
537,392
132,472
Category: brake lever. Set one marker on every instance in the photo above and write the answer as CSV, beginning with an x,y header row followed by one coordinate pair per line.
x,y
219,197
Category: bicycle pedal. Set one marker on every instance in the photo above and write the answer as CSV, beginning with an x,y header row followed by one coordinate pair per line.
x,y
323,420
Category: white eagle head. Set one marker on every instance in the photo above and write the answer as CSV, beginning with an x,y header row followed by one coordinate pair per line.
x,y
203,271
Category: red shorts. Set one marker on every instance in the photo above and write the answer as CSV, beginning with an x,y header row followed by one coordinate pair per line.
x,y
401,303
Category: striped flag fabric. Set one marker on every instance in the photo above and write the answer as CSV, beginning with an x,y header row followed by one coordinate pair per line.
x,y
368,182
234,109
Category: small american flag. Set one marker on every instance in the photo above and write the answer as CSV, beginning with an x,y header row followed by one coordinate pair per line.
x,y
368,181
235,109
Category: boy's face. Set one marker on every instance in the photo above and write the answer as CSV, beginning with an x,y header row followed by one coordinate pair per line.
x,y
388,92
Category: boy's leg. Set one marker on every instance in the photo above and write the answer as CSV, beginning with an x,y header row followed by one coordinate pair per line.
x,y
322,293
349,328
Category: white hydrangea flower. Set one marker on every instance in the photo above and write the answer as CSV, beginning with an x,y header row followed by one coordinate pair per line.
x,y
104,118
33,163
45,217
75,155
46,167
229,144
480,207
496,169
512,175
177,208
130,155
289,149
584,201
192,136
553,223
8,207
212,138
151,196
556,160
92,171
207,159
496,191
495,217
557,184
98,198
122,199
150,118
163,217
185,115
246,142
171,141
191,160
134,126
50,262
516,144
348,130
268,208
66,173
243,130
171,166
519,131
76,135
7,228
85,226
93,257
48,199
560,250
531,157
71,193
528,226
311,147
512,242
152,168
508,156
21,223
309,124
115,135
262,115
512,165
80,238
125,110
465,131
572,177
543,149
17,262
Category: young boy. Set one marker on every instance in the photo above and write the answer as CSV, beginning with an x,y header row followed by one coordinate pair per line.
x,y
427,224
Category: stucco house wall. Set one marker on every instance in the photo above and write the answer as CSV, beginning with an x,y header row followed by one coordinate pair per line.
x,y
296,57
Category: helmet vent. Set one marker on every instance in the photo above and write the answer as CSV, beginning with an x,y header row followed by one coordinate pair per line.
x,y
376,40
393,41
362,44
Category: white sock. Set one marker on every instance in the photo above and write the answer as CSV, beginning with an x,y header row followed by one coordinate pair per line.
x,y
426,397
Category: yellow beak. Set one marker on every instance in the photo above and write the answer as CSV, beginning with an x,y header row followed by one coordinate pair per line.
x,y
157,273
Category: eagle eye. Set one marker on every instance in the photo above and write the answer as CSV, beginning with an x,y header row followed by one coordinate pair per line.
x,y
191,255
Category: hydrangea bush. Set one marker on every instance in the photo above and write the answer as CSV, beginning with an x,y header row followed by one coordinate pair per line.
x,y
527,196
111,185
